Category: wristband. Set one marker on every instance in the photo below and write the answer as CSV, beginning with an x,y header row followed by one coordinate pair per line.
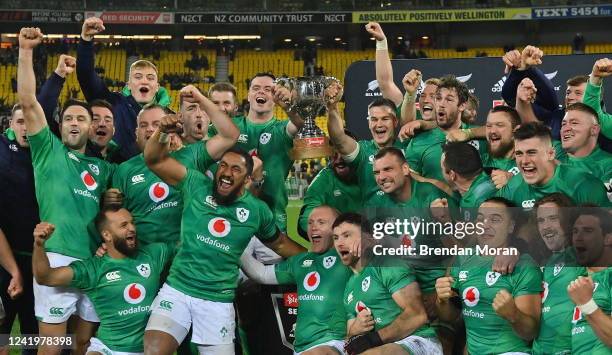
x,y
469,133
362,342
409,98
588,308
382,45
164,138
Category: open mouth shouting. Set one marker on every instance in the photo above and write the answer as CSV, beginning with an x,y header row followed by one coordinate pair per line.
x,y
380,133
225,184
427,110
528,171
261,100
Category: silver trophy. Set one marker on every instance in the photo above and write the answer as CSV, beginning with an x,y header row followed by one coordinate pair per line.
x,y
308,99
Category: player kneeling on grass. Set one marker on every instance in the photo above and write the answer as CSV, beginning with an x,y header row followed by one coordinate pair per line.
x,y
501,312
121,284
320,278
382,300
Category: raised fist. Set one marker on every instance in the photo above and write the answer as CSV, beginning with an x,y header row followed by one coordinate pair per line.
x,y
66,65
602,68
531,56
191,94
91,27
30,37
42,232
282,96
170,124
333,93
375,30
411,81
512,60
526,91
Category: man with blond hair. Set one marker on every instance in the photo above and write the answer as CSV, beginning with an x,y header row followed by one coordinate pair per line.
x,y
141,88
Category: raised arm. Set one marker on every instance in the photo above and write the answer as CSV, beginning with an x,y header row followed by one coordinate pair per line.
x,y
341,141
227,132
91,84
384,70
411,83
285,246
43,272
48,97
33,114
156,153
592,96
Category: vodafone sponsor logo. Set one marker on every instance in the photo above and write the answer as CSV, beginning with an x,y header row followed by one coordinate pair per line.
x,y
159,191
360,306
471,296
219,227
89,181
312,281
134,293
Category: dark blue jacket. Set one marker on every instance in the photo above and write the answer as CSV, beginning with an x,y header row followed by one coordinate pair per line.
x,y
546,106
125,108
18,206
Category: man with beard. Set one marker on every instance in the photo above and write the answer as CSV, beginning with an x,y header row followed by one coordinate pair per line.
x,y
121,284
579,131
195,120
471,110
319,278
541,175
157,207
69,186
593,94
382,299
501,312
592,320
462,170
268,138
424,151
383,124
219,219
103,129
334,186
406,108
553,217
17,220
533,93
142,88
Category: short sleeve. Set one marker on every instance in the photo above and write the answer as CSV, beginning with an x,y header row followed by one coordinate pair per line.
x,y
267,226
361,154
281,131
394,278
191,182
118,181
194,156
42,145
528,280
284,271
84,274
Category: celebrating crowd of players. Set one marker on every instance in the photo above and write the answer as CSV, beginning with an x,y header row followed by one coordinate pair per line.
x,y
142,218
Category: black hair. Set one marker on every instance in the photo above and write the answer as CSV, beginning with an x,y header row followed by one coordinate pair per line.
x,y
511,112
390,151
532,129
451,82
247,158
383,102
73,102
354,219
462,158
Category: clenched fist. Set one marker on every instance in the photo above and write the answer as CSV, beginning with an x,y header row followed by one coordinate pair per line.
x,y
411,81
170,124
581,290
504,305
531,56
512,60
444,288
601,69
66,65
526,91
91,27
375,30
191,94
30,37
42,232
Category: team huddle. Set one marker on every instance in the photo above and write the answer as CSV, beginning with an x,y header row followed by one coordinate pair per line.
x,y
149,219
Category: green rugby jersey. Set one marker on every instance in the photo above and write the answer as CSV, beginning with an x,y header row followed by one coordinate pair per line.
x,y
327,189
213,237
555,336
487,332
598,164
156,207
122,291
480,190
271,143
69,186
578,185
320,279
584,339
373,288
